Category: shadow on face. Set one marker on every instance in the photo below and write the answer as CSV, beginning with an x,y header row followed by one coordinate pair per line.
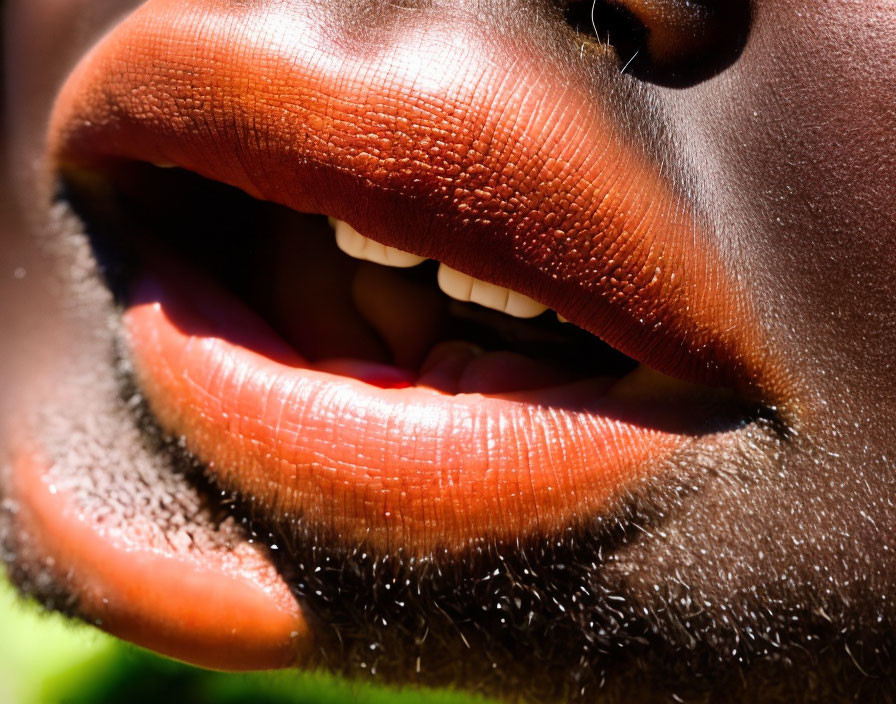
x,y
540,348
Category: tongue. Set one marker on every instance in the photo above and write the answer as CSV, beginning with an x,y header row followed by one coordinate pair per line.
x,y
500,372
383,375
461,367
445,365
456,368
408,316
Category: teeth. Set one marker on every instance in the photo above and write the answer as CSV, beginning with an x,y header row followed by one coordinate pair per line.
x,y
457,285
465,288
356,245
522,306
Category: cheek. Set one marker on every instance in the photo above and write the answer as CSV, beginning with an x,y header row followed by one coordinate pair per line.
x,y
43,41
795,155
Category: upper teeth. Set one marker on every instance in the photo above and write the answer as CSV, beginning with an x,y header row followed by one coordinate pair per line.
x,y
466,288
454,283
356,245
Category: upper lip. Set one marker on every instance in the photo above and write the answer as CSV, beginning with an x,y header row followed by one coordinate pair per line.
x,y
499,183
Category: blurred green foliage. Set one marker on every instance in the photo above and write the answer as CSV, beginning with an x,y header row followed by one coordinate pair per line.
x,y
45,659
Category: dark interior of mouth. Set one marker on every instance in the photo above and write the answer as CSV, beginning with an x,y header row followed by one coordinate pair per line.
x,y
335,310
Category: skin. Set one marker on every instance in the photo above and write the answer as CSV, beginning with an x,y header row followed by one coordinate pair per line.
x,y
754,564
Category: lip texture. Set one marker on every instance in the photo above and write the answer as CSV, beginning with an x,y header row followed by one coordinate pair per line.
x,y
505,179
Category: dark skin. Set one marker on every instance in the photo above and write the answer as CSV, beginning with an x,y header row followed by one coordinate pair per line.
x,y
754,562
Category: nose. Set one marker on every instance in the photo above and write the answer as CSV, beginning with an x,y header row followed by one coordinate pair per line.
x,y
674,42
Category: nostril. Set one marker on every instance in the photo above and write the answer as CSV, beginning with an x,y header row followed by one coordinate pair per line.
x,y
608,22
672,42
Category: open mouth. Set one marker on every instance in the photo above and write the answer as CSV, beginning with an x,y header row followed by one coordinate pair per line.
x,y
344,303
433,396
304,363
403,310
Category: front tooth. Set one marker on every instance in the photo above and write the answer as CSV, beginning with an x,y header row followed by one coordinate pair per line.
x,y
454,283
489,295
523,307
465,288
356,245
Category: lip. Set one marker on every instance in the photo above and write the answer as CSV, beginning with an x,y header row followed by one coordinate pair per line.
x,y
529,189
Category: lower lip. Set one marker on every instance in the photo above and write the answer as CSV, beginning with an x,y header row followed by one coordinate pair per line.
x,y
388,467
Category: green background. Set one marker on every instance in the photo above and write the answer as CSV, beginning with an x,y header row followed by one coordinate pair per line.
x,y
45,659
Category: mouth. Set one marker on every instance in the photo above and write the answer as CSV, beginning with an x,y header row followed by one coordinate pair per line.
x,y
304,363
416,314
357,396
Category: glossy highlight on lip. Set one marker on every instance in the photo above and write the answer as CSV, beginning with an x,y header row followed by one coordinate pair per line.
x,y
409,467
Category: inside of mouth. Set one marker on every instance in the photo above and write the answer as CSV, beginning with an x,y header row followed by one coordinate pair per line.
x,y
392,327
